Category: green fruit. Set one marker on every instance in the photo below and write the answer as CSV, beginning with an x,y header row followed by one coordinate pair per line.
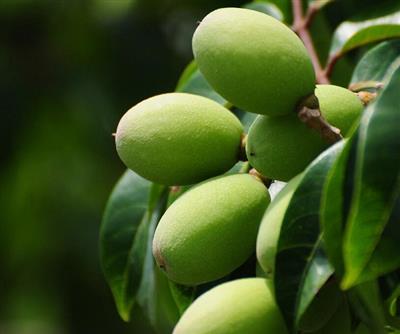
x,y
178,139
237,307
282,147
211,229
339,106
268,233
322,308
253,60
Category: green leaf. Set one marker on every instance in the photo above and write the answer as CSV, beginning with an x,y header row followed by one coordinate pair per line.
x,y
285,6
301,265
318,271
246,118
377,65
367,304
183,295
335,205
372,233
350,35
154,294
319,4
125,211
193,82
265,7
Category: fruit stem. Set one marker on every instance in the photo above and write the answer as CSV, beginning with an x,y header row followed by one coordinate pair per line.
x,y
267,182
300,26
309,113
366,97
369,84
330,64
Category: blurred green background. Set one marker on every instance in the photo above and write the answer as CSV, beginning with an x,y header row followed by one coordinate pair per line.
x,y
68,71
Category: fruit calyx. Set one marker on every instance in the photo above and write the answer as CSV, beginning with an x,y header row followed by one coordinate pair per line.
x,y
309,113
261,178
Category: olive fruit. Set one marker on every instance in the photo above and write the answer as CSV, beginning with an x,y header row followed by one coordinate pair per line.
x,y
242,306
253,60
178,139
211,229
281,147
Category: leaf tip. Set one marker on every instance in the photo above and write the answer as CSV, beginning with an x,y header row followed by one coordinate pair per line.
x,y
124,314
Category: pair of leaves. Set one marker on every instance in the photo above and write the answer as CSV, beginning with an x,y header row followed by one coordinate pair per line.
x,y
350,35
132,213
360,210
377,66
301,267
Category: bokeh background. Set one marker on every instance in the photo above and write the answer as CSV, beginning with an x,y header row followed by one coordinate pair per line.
x,y
68,70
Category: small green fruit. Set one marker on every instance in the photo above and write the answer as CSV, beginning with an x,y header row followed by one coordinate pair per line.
x,y
178,139
339,106
211,229
237,307
282,147
253,60
268,233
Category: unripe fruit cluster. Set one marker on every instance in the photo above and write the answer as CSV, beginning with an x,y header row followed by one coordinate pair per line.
x,y
260,66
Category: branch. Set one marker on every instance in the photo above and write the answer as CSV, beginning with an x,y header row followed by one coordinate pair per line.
x,y
310,14
308,110
310,114
300,27
330,64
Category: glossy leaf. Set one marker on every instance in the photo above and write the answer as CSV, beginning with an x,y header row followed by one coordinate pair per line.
x,y
374,210
319,4
285,6
377,65
335,204
350,35
246,118
183,295
154,294
193,82
367,304
125,211
318,272
301,265
266,8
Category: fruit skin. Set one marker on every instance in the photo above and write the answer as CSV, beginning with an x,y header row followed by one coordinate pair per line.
x,y
339,106
268,233
211,229
178,139
236,307
253,60
282,147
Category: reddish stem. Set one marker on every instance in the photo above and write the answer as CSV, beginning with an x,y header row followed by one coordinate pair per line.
x,y
300,27
330,64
